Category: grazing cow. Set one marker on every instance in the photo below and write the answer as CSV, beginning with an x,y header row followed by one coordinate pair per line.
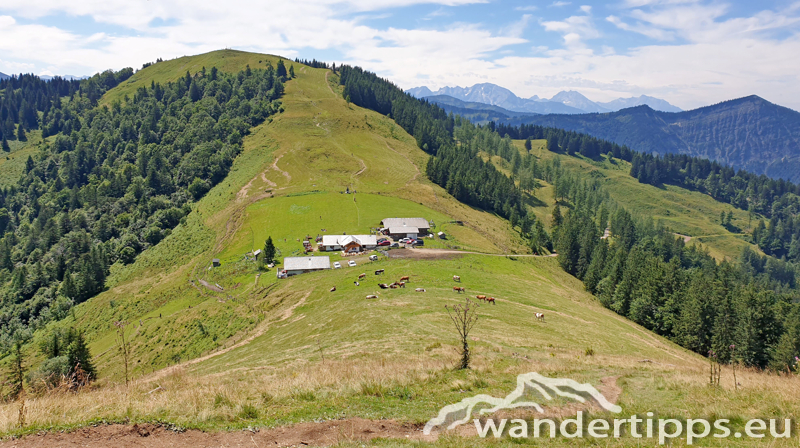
x,y
333,289
393,286
357,284
402,284
456,278
360,276
420,290
405,278
490,300
372,296
459,289
379,271
540,317
383,285
481,297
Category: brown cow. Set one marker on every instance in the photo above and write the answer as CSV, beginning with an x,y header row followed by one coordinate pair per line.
x,y
481,297
405,278
420,290
540,317
459,289
333,289
490,300
383,285
456,278
360,276
372,296
393,286
402,284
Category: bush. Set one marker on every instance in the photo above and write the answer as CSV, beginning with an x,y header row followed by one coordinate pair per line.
x,y
50,373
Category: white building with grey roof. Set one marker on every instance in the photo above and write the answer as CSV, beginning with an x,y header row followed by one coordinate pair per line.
x,y
301,265
406,227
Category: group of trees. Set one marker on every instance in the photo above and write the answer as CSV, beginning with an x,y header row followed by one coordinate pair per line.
x,y
117,179
560,140
23,98
776,199
745,311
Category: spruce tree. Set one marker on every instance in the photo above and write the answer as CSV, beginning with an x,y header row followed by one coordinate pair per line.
x,y
281,70
80,357
269,251
5,145
21,133
528,144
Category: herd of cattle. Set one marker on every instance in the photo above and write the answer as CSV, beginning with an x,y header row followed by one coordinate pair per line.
x,y
406,279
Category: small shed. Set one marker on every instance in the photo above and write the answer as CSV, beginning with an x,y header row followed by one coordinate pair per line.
x,y
257,252
215,262
442,235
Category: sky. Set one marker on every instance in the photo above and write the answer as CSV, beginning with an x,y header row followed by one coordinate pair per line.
x,y
690,52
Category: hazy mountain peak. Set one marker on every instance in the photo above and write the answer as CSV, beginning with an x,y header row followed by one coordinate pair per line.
x,y
3,76
578,101
564,102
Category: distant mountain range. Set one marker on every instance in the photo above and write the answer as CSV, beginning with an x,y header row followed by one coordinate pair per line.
x,y
48,77
564,102
749,133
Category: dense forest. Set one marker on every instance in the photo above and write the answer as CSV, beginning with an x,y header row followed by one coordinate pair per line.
x,y
777,199
23,98
114,180
746,312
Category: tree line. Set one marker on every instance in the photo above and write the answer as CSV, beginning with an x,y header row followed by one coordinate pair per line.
x,y
115,180
776,199
745,311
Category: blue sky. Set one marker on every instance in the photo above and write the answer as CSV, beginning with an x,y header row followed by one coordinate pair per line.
x,y
689,52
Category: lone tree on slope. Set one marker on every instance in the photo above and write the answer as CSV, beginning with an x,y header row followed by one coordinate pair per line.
x,y
464,317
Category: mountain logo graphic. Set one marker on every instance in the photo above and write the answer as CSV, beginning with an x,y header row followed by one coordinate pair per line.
x,y
459,413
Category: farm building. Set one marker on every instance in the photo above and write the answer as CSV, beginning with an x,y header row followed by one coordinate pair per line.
x,y
300,265
406,227
348,243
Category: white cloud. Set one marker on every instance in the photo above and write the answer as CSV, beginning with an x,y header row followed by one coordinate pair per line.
x,y
699,54
559,3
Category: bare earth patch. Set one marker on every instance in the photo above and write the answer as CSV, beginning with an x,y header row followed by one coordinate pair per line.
x,y
147,435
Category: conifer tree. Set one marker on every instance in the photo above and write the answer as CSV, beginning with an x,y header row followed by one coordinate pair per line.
x,y
269,251
21,133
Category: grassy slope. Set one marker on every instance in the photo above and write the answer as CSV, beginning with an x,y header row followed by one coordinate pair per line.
x,y
263,345
686,212
12,164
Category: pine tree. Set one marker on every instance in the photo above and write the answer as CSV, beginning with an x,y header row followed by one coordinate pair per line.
x,y
80,357
291,72
5,145
557,218
528,145
17,370
281,70
269,251
21,133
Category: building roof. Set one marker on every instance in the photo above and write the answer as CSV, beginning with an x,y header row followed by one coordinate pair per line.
x,y
402,230
342,240
303,263
419,223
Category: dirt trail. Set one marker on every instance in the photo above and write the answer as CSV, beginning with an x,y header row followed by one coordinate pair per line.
x,y
260,330
325,433
449,253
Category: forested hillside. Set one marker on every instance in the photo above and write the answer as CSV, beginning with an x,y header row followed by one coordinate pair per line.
x,y
747,310
748,133
112,181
